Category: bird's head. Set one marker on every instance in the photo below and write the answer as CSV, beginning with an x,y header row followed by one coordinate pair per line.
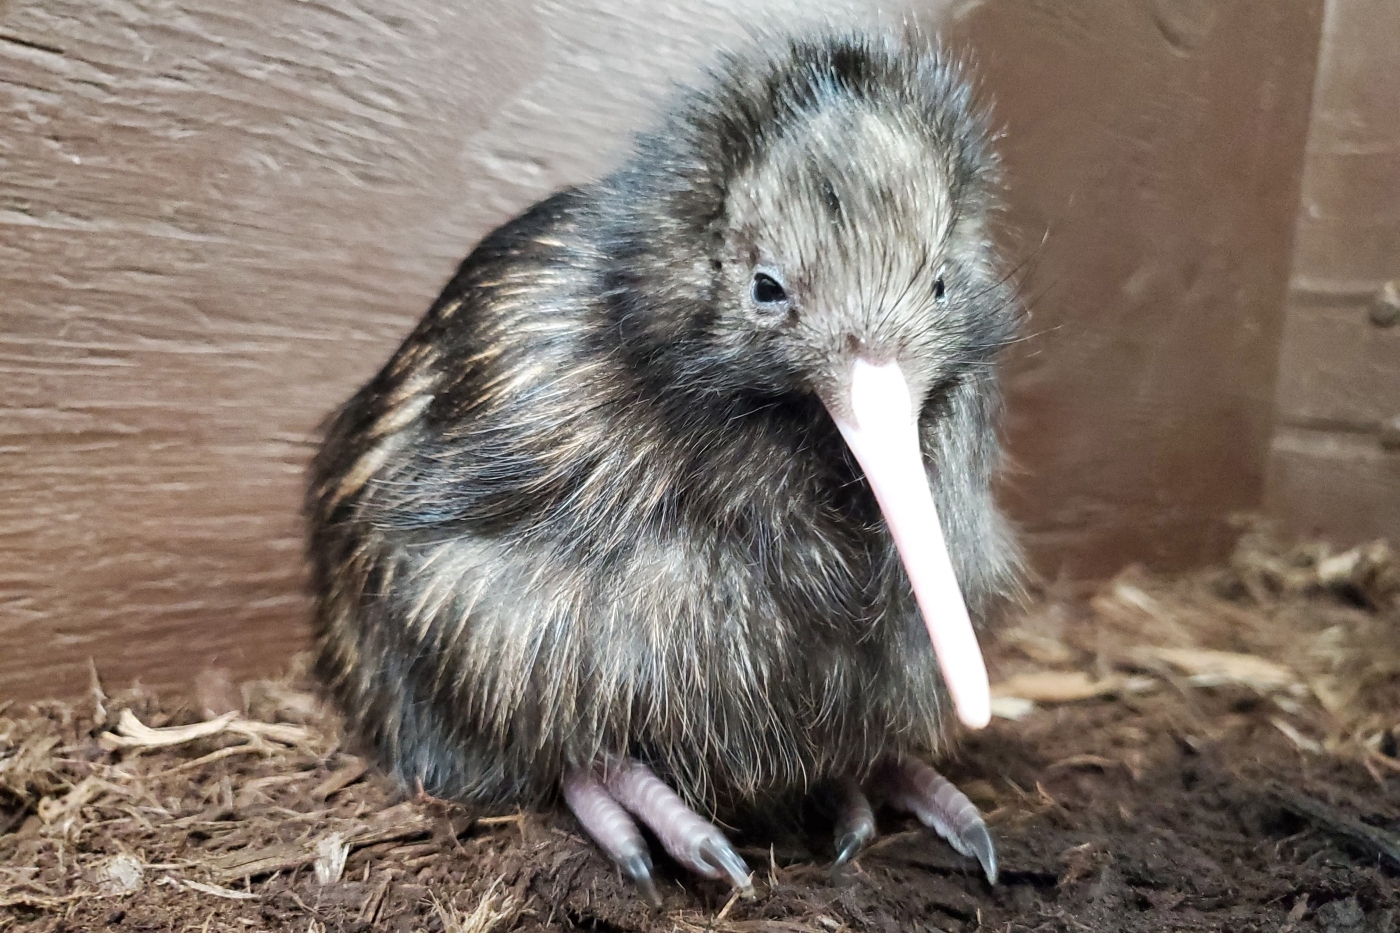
x,y
814,224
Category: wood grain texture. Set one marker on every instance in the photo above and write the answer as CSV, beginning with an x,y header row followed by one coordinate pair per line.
x,y
1334,483
1349,221
1158,146
1339,373
217,219
1337,370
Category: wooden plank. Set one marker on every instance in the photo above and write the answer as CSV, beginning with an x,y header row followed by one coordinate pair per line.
x,y
217,219
1340,485
1349,224
1159,146
1337,368
1339,374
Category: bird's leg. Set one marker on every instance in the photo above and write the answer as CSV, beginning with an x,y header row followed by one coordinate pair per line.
x,y
610,826
855,821
691,840
914,787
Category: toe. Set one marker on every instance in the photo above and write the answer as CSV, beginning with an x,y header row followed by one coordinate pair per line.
x,y
604,819
917,788
638,868
849,845
691,840
979,840
716,854
855,821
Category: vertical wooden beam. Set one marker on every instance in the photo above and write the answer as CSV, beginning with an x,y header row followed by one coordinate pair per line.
x,y
1158,146
1334,467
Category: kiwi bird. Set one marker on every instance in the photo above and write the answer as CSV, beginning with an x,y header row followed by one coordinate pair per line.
x,y
678,500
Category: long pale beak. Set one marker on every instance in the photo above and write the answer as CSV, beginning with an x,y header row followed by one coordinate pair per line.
x,y
882,431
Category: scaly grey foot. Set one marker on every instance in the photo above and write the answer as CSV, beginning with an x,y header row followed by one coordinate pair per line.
x,y
603,796
692,840
914,787
612,829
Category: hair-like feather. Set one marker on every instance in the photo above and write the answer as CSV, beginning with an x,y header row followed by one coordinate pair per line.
x,y
593,503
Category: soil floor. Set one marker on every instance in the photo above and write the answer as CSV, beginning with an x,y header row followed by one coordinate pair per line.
x,y
1211,753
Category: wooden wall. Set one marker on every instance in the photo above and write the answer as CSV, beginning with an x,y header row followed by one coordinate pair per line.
x,y
1334,468
216,219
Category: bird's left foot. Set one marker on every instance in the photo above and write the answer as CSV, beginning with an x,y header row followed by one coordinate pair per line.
x,y
602,797
913,787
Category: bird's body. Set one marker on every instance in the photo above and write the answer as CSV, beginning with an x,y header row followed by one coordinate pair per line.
x,y
594,509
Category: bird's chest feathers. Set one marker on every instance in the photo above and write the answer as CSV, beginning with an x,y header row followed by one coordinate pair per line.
x,y
754,561
790,572
787,646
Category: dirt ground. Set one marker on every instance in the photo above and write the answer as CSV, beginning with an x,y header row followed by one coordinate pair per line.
x,y
1211,753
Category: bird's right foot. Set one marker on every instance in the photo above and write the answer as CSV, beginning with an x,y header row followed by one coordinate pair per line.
x,y
855,821
914,787
909,785
603,796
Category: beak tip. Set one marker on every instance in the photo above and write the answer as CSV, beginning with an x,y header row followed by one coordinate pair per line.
x,y
978,718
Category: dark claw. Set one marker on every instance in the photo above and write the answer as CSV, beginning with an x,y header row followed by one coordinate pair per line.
x,y
855,822
979,840
918,789
717,853
850,844
638,868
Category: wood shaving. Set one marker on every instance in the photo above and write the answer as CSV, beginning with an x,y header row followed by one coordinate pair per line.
x,y
1208,668
213,890
1065,686
133,733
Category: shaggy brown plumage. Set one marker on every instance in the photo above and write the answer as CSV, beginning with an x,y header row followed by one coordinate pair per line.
x,y
595,504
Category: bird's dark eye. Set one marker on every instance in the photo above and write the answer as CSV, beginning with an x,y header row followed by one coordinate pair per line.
x,y
766,290
940,291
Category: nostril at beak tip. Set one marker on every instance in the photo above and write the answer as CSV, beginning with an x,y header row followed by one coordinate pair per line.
x,y
855,344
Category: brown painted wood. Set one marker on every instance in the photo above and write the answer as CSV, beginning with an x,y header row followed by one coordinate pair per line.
x,y
1349,221
1336,484
217,219
1337,369
1339,373
1158,146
